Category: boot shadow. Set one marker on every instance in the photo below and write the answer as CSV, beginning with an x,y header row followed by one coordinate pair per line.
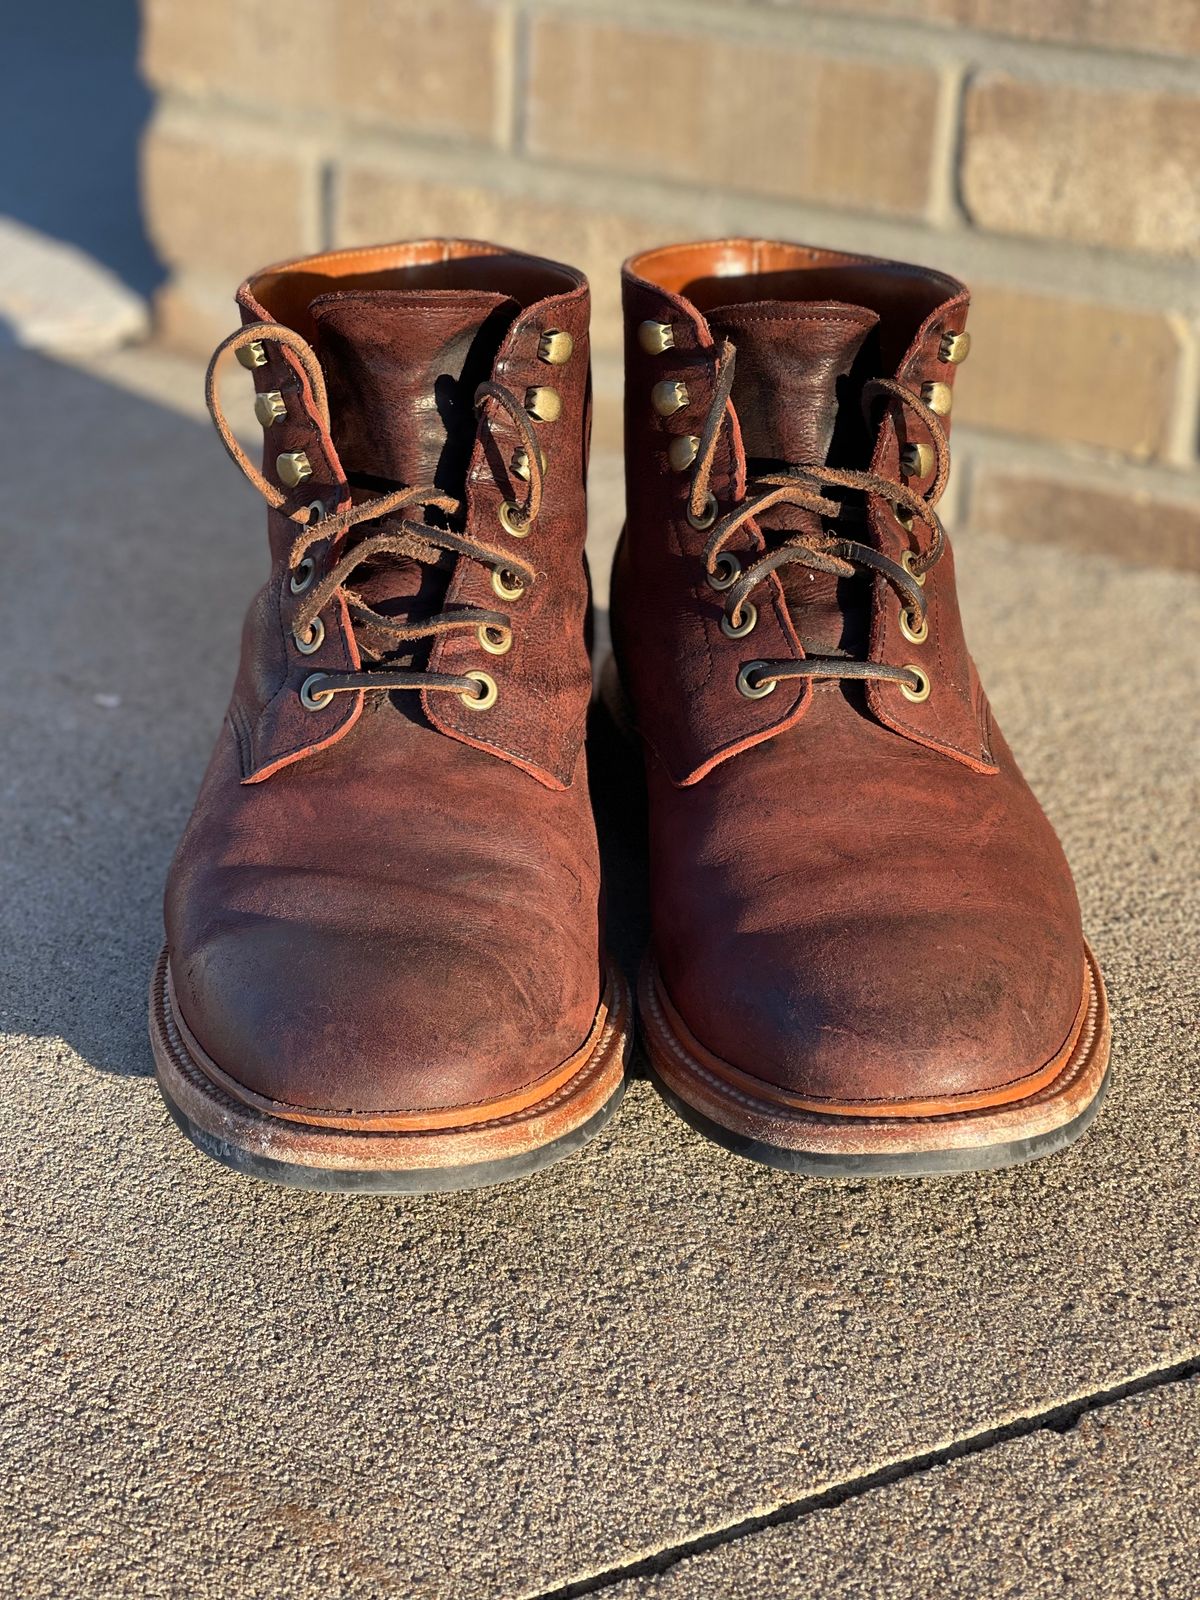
x,y
131,550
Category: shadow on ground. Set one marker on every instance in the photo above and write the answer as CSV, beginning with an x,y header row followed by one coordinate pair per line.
x,y
131,552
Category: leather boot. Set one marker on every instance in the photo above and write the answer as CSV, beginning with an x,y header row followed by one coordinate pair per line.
x,y
867,954
384,965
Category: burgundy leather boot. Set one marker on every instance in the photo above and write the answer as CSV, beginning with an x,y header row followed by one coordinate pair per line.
x,y
384,965
867,954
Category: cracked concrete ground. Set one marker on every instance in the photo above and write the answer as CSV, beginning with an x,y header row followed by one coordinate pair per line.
x,y
210,1387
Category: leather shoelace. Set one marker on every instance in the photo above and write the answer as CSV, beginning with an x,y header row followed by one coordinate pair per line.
x,y
420,541
803,487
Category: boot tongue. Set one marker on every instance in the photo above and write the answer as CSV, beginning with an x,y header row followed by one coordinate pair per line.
x,y
402,367
793,358
791,390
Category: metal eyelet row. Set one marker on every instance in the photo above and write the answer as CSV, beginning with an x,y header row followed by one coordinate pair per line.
x,y
913,625
292,467
752,686
666,398
300,580
671,395
918,460
543,404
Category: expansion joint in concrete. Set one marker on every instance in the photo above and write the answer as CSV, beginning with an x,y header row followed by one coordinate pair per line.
x,y
1056,1419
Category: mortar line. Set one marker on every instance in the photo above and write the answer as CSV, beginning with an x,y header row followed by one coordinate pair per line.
x,y
826,29
1055,1419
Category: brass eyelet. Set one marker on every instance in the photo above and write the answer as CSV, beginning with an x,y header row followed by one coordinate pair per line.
x,y
312,640
543,403
496,641
292,467
707,517
921,692
656,337
739,630
555,347
315,699
519,465
908,562
728,571
682,451
302,575
751,690
904,518
504,590
485,700
270,407
914,627
668,397
316,511
510,514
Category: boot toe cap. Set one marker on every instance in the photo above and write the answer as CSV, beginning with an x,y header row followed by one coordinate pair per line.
x,y
911,1009
373,1025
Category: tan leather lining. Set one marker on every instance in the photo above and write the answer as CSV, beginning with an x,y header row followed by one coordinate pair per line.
x,y
285,291
720,272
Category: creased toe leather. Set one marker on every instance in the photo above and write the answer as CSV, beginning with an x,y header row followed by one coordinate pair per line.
x,y
800,955
446,965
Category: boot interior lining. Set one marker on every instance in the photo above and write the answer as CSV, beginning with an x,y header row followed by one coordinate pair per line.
x,y
286,293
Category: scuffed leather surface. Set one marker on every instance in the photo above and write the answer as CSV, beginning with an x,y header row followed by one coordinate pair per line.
x,y
544,682
905,310
863,902
851,916
395,916
399,922
666,620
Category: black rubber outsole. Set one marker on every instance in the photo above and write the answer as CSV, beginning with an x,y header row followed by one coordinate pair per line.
x,y
919,1164
424,1180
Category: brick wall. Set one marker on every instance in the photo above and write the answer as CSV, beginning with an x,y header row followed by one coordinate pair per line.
x,y
1048,151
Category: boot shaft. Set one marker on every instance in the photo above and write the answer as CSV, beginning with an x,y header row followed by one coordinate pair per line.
x,y
378,390
808,335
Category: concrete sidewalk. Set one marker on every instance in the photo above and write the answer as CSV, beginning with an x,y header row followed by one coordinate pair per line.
x,y
211,1388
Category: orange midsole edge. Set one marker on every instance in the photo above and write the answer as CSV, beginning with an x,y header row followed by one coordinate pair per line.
x,y
396,1121
770,1093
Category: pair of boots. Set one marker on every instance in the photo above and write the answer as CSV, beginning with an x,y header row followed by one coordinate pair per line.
x,y
385,964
